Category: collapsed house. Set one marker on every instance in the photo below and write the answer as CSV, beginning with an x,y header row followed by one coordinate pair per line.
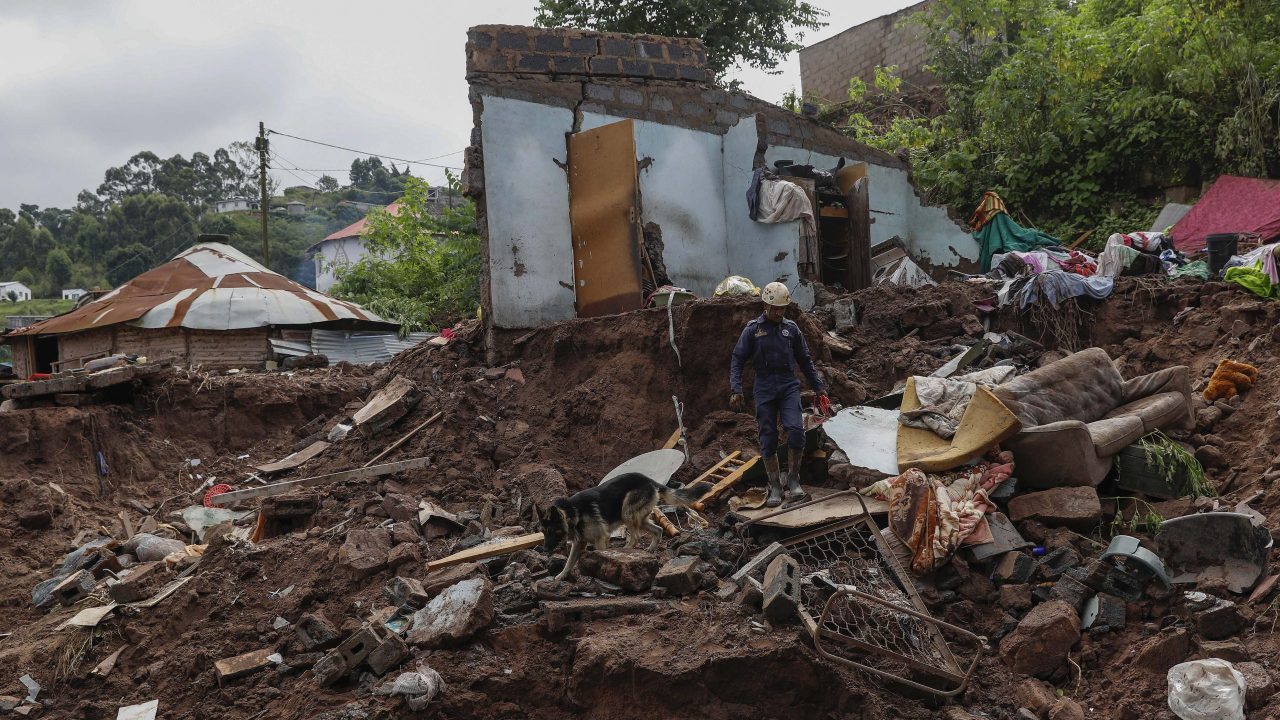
x,y
211,305
605,165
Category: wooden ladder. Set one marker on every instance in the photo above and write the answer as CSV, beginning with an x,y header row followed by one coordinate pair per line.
x,y
725,474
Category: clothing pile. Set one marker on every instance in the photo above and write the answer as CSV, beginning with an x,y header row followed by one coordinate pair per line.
x,y
1256,271
944,400
935,514
1140,253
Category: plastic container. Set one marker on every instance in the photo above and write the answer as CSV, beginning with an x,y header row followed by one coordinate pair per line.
x,y
1221,247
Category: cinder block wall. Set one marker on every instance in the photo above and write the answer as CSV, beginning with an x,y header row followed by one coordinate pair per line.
x,y
826,67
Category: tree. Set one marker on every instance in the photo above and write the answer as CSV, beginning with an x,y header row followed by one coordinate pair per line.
x,y
57,268
421,270
327,184
736,32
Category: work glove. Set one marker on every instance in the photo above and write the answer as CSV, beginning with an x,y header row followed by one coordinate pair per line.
x,y
824,405
736,402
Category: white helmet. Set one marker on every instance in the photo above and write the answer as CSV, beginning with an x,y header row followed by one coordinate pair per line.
x,y
776,294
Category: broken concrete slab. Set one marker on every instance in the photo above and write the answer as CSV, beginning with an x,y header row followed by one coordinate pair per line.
x,y
388,655
560,614
1214,545
242,665
680,575
74,588
1042,640
138,582
357,646
330,669
781,589
454,615
632,570
388,405
1077,508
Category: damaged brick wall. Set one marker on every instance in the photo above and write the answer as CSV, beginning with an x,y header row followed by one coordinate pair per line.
x,y
827,66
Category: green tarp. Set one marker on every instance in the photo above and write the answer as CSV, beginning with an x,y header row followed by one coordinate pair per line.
x,y
1002,235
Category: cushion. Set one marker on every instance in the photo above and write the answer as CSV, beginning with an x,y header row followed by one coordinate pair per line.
x,y
1156,411
1112,435
1083,386
985,422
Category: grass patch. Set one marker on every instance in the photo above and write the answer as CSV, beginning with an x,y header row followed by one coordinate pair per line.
x,y
38,306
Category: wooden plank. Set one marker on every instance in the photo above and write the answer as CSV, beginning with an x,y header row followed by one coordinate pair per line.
x,y
402,440
818,513
833,212
604,218
289,486
295,459
672,441
859,204
481,552
725,484
1080,240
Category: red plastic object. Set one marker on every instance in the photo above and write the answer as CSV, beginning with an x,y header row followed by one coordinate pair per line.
x,y
216,490
447,333
38,376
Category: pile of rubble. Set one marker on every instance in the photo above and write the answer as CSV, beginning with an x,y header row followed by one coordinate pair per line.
x,y
359,546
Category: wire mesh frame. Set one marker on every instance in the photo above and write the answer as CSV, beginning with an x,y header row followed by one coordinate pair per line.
x,y
874,608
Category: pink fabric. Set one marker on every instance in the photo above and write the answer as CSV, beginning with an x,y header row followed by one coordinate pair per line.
x,y
1233,204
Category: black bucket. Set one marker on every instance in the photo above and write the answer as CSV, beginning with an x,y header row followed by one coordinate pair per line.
x,y
1221,248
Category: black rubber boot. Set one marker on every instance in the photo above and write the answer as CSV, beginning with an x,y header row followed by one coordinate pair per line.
x,y
794,491
774,499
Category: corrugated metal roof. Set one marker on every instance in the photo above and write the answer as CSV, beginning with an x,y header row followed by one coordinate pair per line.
x,y
210,286
362,347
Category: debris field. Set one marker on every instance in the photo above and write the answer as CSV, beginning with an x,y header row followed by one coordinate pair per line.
x,y
399,572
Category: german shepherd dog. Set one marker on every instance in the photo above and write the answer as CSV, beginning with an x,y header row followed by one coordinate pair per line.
x,y
591,515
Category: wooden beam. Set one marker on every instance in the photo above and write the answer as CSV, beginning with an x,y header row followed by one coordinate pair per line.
x,y
481,552
288,486
859,204
293,460
672,441
402,440
1083,236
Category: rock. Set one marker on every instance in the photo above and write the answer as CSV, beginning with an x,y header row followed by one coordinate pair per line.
x,y
402,554
1219,622
388,655
436,582
1226,407
1207,417
405,532
8,703
1230,650
1015,597
454,615
1075,507
548,588
1258,684
1042,640
406,591
1211,457
1014,568
680,576
400,508
35,520
1066,709
632,570
1034,695
365,552
1163,651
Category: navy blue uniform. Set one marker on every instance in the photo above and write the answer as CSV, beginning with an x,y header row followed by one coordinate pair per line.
x,y
775,349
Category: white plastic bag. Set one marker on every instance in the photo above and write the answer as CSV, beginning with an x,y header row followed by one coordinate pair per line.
x,y
736,285
1206,690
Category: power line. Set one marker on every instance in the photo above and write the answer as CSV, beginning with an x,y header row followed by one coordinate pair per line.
x,y
365,152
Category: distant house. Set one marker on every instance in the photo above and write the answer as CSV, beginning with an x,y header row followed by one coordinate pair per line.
x,y
296,208
211,305
14,290
344,247
237,204
72,293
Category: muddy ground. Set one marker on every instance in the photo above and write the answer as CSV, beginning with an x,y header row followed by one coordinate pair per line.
x,y
588,394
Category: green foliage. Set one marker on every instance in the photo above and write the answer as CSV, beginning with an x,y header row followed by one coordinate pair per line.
x,y
1143,517
1079,113
1177,466
759,33
421,270
38,306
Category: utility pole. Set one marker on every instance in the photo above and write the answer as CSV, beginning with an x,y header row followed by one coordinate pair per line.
x,y
265,202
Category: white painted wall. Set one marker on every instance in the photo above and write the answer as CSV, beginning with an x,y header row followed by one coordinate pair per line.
x,y
341,251
527,210
72,293
693,186
20,291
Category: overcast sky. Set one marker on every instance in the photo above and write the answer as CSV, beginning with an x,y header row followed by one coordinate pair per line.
x,y
87,84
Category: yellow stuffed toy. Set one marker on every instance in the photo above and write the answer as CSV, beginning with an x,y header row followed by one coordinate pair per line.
x,y
1230,378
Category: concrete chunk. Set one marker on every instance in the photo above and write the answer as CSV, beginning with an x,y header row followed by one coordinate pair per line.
x,y
680,576
560,614
454,615
1077,508
141,582
356,648
315,632
406,591
1042,641
365,552
388,655
330,669
74,588
632,570
781,589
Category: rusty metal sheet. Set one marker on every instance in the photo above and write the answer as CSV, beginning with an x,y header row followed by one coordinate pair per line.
x,y
210,286
604,213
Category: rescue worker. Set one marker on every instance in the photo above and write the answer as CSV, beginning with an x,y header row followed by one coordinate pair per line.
x,y
775,346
